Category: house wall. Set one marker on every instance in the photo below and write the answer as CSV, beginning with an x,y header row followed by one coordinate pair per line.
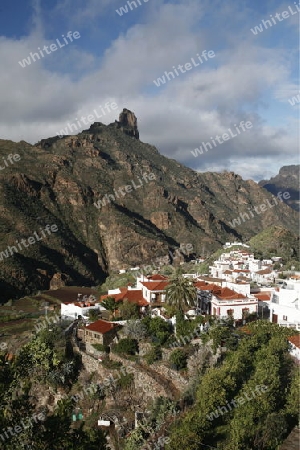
x,y
222,307
239,288
93,337
286,315
74,311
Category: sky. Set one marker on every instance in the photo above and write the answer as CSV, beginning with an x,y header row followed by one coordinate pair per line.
x,y
118,57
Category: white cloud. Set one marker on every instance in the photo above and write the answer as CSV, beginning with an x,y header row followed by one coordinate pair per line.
x,y
41,99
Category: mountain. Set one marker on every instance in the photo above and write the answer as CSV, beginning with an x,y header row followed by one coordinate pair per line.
x,y
286,181
276,241
115,202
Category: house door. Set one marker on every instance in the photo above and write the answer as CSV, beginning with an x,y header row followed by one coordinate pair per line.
x,y
274,318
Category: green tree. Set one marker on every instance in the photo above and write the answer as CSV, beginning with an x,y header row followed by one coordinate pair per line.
x,y
158,329
94,314
127,346
155,354
135,329
179,359
181,292
110,305
129,310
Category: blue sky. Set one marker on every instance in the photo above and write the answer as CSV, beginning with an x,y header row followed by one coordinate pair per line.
x,y
117,58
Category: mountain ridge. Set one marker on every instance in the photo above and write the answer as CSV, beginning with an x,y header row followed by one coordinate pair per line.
x,y
58,180
288,179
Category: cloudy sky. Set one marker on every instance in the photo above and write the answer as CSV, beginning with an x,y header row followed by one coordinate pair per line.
x,y
119,55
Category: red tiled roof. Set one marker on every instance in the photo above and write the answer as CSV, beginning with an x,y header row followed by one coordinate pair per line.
x,y
242,270
200,284
101,326
227,272
295,340
263,296
156,285
211,287
228,294
264,272
132,295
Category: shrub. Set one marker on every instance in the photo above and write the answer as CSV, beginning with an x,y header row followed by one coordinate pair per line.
x,y
101,348
155,354
158,329
109,364
126,346
178,358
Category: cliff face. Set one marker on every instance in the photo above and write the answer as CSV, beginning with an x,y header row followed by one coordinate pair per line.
x,y
288,180
116,202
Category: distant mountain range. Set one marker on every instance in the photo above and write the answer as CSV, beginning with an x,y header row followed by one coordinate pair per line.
x,y
286,181
116,203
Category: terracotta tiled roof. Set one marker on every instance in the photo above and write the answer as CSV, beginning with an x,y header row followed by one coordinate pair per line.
x,y
101,326
295,340
228,294
227,272
156,285
264,272
211,287
132,295
242,270
200,284
263,296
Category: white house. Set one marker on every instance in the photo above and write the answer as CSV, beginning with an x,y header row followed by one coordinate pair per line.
x,y
153,288
226,303
241,287
264,276
74,309
285,305
232,244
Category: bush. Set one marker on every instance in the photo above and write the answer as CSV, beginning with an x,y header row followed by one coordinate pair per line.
x,y
126,346
101,348
125,381
109,364
158,329
129,311
155,354
178,358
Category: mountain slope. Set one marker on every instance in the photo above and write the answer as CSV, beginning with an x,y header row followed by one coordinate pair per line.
x,y
58,181
276,241
286,181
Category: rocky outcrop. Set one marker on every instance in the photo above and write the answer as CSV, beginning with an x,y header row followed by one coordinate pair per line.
x,y
128,123
287,181
57,281
161,220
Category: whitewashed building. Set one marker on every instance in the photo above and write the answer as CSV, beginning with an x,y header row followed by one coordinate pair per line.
x,y
226,303
285,305
73,310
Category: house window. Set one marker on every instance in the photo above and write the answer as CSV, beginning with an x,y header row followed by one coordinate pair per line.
x,y
230,312
95,335
284,317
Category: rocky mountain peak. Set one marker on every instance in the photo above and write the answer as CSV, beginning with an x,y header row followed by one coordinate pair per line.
x,y
128,123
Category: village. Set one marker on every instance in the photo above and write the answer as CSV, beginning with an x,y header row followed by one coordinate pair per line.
x,y
138,346
238,287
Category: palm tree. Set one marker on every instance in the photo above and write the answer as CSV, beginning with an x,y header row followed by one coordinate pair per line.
x,y
110,305
181,292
